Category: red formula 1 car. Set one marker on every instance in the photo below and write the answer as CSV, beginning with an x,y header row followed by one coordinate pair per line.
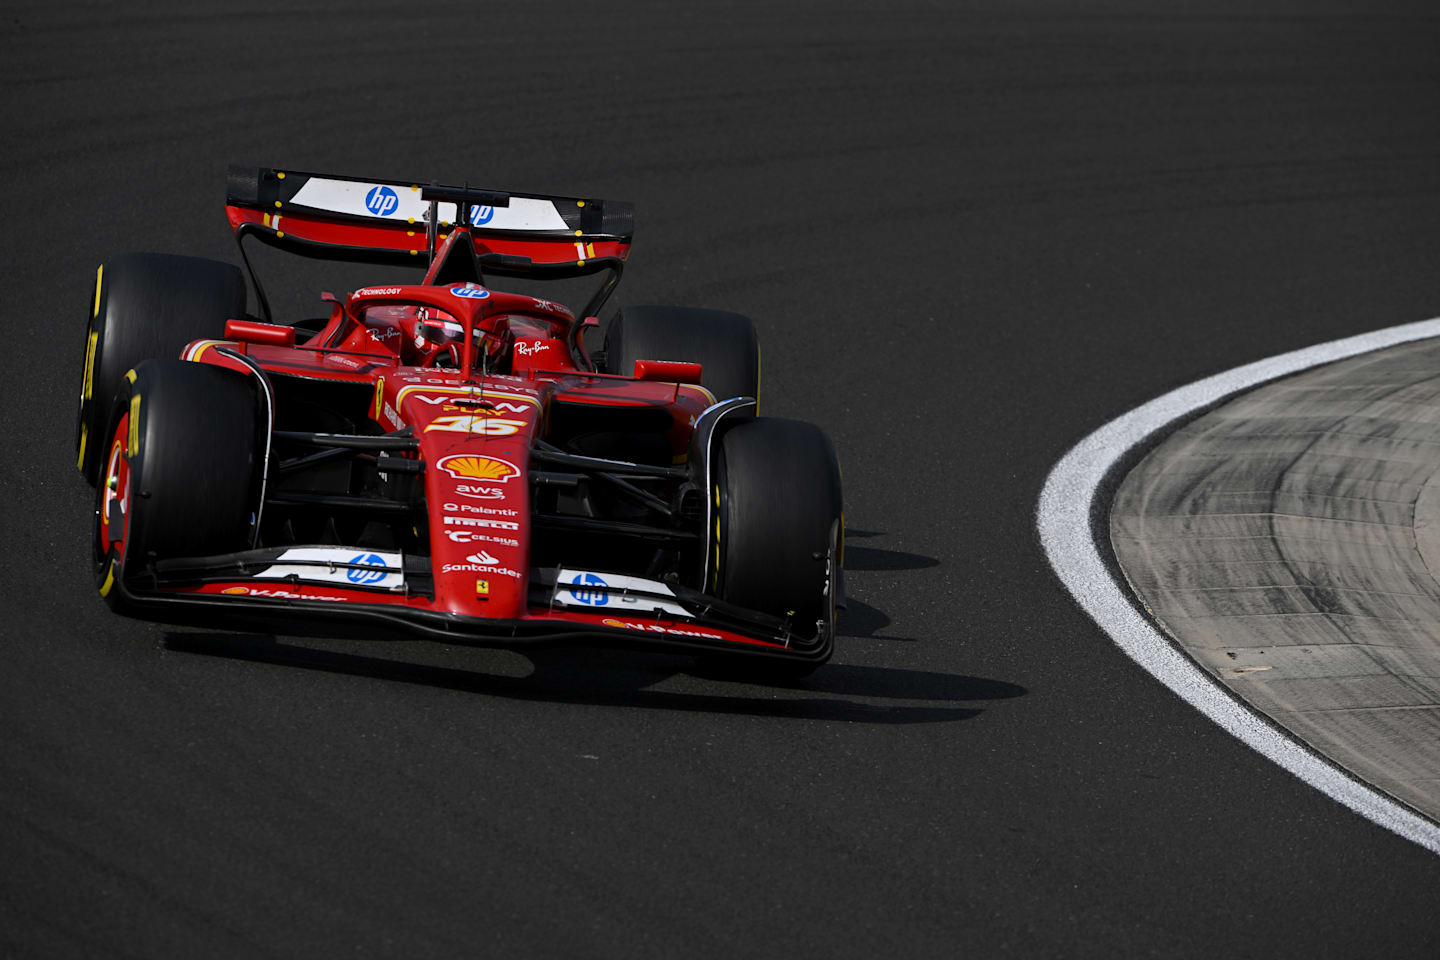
x,y
441,458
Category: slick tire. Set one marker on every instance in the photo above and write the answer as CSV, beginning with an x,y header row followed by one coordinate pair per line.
x,y
724,344
181,468
780,520
146,306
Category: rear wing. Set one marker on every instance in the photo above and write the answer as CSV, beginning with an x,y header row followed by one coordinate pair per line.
x,y
333,217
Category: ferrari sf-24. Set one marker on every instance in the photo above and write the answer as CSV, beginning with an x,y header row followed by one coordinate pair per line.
x,y
440,458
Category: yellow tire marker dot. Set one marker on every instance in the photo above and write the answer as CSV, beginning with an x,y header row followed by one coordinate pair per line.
x,y
277,203
280,174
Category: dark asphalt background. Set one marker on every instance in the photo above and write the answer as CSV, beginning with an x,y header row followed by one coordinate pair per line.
x,y
969,234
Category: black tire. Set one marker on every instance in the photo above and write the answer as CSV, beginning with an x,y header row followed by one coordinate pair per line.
x,y
146,306
724,344
780,507
191,468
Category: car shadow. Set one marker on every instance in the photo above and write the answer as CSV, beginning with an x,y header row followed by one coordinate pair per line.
x,y
874,558
623,678
860,619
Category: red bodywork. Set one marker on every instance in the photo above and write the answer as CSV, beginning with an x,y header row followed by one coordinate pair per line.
x,y
475,430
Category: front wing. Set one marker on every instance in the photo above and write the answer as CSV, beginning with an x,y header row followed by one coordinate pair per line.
x,y
198,590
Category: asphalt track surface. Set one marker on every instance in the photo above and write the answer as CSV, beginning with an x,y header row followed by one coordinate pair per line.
x,y
970,234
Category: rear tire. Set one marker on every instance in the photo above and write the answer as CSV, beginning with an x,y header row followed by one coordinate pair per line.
x,y
146,306
181,468
780,509
723,343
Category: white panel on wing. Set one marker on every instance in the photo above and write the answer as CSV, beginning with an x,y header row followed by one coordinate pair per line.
x,y
391,202
524,213
614,591
364,568
362,199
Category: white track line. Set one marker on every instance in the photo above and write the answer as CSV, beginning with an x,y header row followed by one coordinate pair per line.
x,y
1063,518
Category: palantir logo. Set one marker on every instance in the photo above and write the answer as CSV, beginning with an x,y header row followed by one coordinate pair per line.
x,y
381,201
481,215
364,570
589,589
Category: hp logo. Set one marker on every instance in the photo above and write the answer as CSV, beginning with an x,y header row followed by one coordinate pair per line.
x,y
381,201
481,215
470,293
364,571
590,589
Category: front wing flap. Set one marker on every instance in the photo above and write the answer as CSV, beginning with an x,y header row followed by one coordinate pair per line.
x,y
374,595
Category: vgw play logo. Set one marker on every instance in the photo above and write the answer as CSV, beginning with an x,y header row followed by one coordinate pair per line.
x,y
381,201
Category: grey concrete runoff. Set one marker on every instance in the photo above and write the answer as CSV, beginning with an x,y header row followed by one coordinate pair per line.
x,y
1289,542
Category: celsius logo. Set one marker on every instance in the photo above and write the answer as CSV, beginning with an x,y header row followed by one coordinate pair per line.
x,y
369,574
381,201
470,293
481,215
481,557
590,589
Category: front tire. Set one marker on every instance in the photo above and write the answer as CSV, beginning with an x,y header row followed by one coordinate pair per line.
x,y
779,521
146,306
181,468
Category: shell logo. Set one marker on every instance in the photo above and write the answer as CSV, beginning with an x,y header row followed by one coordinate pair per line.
x,y
469,467
233,591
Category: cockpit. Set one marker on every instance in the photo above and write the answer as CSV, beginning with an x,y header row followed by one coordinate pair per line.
x,y
423,335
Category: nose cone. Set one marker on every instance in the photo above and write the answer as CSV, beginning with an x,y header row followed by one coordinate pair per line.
x,y
476,443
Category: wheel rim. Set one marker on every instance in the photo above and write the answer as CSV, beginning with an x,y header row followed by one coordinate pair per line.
x,y
114,504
